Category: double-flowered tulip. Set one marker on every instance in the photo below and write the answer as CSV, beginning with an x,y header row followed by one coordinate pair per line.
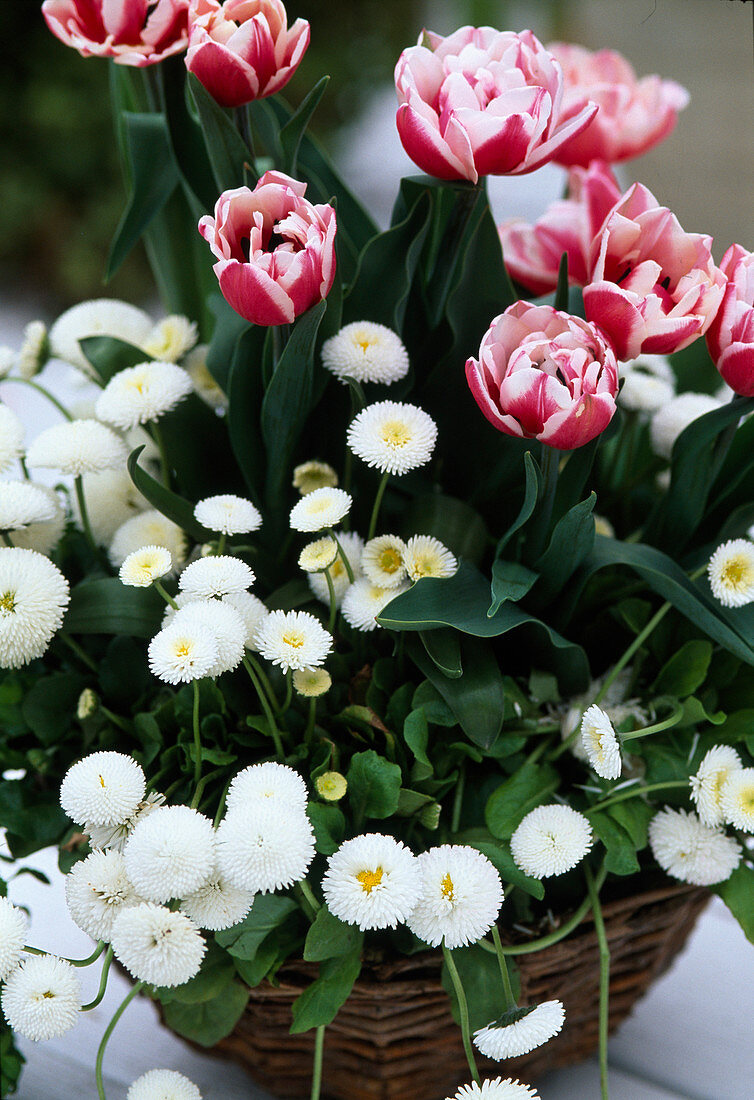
x,y
730,338
131,32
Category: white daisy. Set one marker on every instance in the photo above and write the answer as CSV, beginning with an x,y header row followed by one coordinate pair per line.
x,y
312,682
228,514
551,840
691,851
520,1030
217,904
13,927
183,652
170,853
204,381
22,503
366,352
149,528
104,788
163,1084
146,565
600,743
156,945
364,601
731,573
351,545
114,837
77,447
293,639
265,784
252,610
264,847
142,394
496,1089
707,785
111,499
393,437
318,555
96,889
101,317
331,786
460,899
669,421
372,881
737,799
11,438
426,556
34,350
41,998
319,509
313,475
87,705
224,623
171,338
33,597
383,561
648,384
217,575
45,535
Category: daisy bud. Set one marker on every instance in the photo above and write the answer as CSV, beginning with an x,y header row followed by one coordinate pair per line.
x,y
313,475
312,682
331,786
87,705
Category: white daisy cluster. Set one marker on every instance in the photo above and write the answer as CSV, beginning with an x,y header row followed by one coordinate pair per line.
x,y
671,419
366,352
293,640
313,475
147,528
77,447
460,896
228,514
163,1084
34,350
320,509
648,384
11,438
550,840
372,881
22,503
171,338
691,851
204,382
41,997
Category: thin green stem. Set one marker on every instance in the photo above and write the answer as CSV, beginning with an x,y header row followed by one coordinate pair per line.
x,y
164,463
201,786
632,792
197,738
274,731
507,987
114,718
106,1038
319,1046
307,893
604,1017
333,602
159,587
221,543
24,467
6,538
311,720
377,503
463,1011
74,647
84,514
221,807
458,798
45,393
74,962
288,692
666,724
102,982
343,555
264,681
635,644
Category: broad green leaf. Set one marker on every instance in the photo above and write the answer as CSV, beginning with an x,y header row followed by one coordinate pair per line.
x,y
428,698
480,977
532,488
454,522
329,826
268,912
373,785
294,129
561,290
530,786
570,543
685,671
190,433
320,1002
109,355
31,816
226,149
633,815
245,390
695,712
411,802
49,706
229,328
330,938
477,699
186,137
215,975
172,505
106,606
738,894
510,581
207,1022
416,736
444,649
621,850
499,854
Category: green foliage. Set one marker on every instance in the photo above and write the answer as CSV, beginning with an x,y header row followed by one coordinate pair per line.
x,y
373,785
528,787
478,971
208,1021
330,938
321,1000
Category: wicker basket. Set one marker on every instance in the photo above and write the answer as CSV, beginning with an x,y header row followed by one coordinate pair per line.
x,y
395,1039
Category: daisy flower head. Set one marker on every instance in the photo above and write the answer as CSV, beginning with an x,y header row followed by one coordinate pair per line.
x,y
366,352
382,561
331,786
41,998
265,784
217,904
77,447
96,889
34,350
146,565
223,623
157,945
689,850
320,509
149,528
170,853
183,652
460,898
171,338
163,1084
312,682
293,639
217,575
142,394
100,317
34,595
372,881
22,503
648,384
496,1089
737,799
252,610
600,743
393,437
43,535
707,785
314,475
11,437
103,837
676,415
551,840
204,381
731,573
351,545
318,555
426,556
363,602
228,514
264,847
520,1030
13,928
104,788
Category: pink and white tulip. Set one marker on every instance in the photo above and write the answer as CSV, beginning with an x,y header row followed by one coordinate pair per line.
x,y
131,32
653,287
242,50
275,250
546,375
633,116
533,252
482,102
730,337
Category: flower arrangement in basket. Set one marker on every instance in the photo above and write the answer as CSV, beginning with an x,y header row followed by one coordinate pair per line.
x,y
391,597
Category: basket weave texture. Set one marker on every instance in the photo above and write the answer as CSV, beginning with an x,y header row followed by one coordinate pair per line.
x,y
395,1039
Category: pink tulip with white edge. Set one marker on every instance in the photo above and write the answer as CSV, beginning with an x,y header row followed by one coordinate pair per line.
x,y
136,33
730,337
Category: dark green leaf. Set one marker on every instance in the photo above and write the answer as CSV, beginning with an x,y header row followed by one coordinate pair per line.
x,y
294,129
109,355
226,149
533,482
510,581
621,851
215,975
561,290
108,607
416,736
330,938
499,854
454,522
685,671
268,912
229,328
329,826
172,505
209,1021
738,894
445,650
530,786
480,977
570,543
320,1002
50,705
373,785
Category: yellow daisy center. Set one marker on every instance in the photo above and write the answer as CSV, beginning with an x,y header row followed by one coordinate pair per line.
x,y
293,638
390,560
395,433
370,879
736,573
447,887
183,649
746,800
8,601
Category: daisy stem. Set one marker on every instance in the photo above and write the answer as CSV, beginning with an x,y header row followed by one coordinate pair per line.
x,y
221,807
377,503
311,721
74,647
274,731
304,889
201,785
24,467
264,680
333,602
673,720
159,587
6,538
221,542
319,1046
463,1011
114,718
45,393
604,947
102,982
344,556
458,798
106,1038
507,987
197,740
634,791
635,644
79,486
288,691
74,962
164,464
